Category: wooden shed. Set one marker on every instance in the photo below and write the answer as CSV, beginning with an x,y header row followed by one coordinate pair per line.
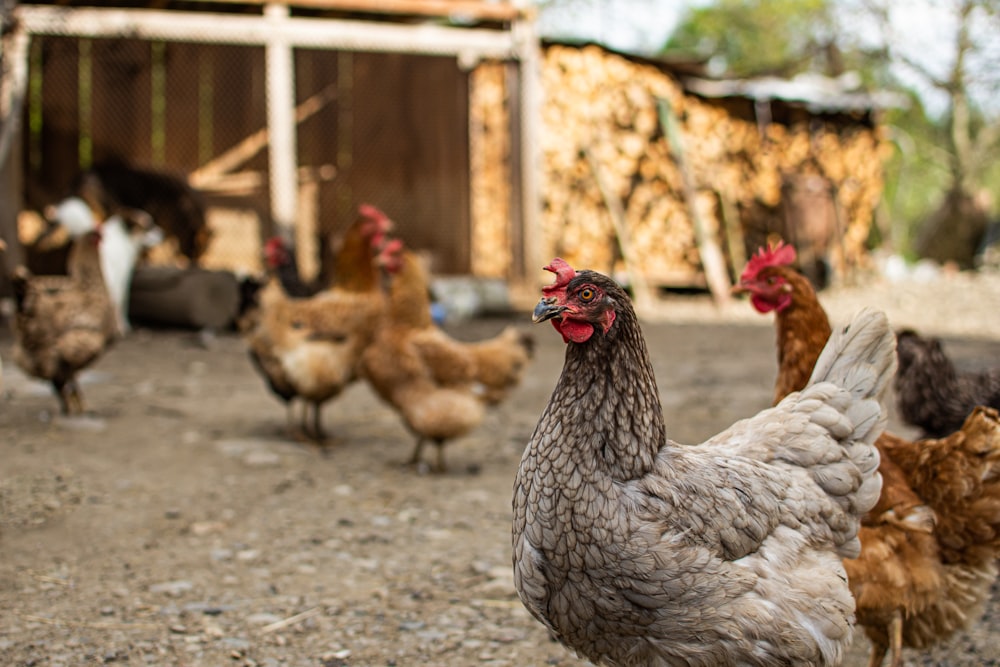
x,y
288,115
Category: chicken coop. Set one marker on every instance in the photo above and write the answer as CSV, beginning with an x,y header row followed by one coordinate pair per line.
x,y
284,116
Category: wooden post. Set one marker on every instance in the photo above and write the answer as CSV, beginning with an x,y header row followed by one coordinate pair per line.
x,y
526,45
708,248
281,122
13,87
735,240
641,295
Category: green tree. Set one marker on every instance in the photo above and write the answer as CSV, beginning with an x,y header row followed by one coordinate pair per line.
x,y
944,162
761,37
967,75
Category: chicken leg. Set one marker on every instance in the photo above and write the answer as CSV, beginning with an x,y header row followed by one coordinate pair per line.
x,y
894,646
70,397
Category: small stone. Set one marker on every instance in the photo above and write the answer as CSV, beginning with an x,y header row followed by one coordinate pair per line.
x,y
202,528
411,626
262,459
172,588
172,513
247,555
262,619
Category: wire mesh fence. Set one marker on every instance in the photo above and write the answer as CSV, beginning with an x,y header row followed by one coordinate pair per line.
x,y
388,128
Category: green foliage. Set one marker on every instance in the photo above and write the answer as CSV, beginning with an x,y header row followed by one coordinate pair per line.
x,y
759,37
787,37
917,174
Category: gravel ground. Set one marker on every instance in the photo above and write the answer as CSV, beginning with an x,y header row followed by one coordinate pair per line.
x,y
178,526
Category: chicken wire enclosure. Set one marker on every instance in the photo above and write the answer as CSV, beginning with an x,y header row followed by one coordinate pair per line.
x,y
376,124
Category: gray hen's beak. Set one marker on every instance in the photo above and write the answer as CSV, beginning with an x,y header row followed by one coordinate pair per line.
x,y
546,309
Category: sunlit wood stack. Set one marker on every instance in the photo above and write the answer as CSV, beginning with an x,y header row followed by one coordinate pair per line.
x,y
490,150
602,123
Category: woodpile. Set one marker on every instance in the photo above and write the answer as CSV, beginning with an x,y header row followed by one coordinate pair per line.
x,y
601,115
490,150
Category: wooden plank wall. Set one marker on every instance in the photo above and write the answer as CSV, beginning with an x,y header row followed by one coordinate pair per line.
x,y
410,151
396,134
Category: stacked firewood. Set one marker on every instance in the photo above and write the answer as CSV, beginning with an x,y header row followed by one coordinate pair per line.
x,y
490,150
605,148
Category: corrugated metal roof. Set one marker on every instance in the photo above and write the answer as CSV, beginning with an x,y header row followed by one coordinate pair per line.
x,y
817,93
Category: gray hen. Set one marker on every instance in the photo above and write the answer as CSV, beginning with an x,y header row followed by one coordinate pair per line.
x,y
635,550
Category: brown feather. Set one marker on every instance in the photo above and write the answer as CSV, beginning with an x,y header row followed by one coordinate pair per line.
x,y
931,583
64,323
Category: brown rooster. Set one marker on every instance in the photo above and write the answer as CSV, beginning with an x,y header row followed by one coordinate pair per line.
x,y
440,386
931,393
309,348
63,324
923,572
635,550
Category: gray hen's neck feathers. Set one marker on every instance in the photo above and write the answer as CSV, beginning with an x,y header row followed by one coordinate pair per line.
x,y
606,401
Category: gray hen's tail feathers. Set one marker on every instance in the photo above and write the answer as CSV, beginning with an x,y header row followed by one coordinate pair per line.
x,y
860,357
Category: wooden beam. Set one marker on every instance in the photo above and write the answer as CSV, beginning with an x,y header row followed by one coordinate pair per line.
x,y
712,262
219,168
642,296
464,9
297,32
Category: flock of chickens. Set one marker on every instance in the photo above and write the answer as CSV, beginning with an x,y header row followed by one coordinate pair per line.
x,y
374,322
308,342
766,543
762,546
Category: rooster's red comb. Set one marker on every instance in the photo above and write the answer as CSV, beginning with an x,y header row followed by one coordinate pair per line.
x,y
564,273
780,254
374,216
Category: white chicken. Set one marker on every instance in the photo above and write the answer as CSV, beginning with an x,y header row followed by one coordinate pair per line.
x,y
122,243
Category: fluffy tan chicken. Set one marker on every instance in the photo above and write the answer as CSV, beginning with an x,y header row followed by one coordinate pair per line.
x,y
929,546
309,348
440,386
62,324
633,549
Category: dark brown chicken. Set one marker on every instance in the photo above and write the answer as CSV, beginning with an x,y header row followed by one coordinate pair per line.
x,y
63,324
440,386
635,550
922,574
931,393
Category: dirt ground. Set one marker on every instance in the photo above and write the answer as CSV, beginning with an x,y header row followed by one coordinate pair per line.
x,y
179,526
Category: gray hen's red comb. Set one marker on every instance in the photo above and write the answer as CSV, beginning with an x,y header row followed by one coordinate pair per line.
x,y
564,273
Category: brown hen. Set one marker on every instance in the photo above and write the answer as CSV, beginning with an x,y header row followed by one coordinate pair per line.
x,y
440,386
924,571
63,324
309,348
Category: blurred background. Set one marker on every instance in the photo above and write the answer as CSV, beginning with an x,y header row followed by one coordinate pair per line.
x,y
660,141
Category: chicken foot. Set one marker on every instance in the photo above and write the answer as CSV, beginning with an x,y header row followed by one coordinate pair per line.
x,y
895,646
416,459
312,433
70,397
